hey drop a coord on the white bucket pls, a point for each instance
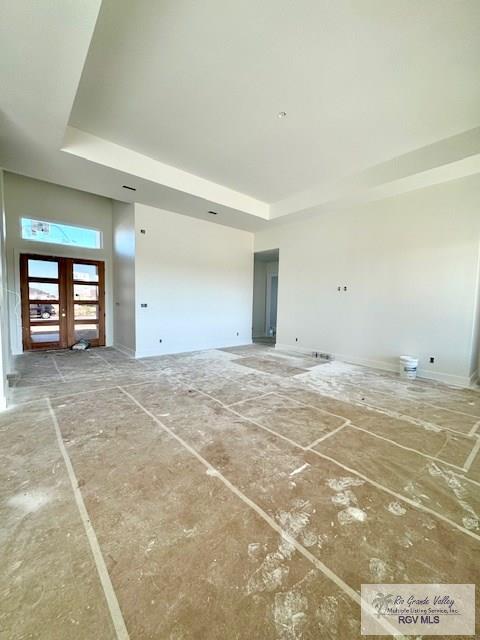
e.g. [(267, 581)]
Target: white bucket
[(408, 367)]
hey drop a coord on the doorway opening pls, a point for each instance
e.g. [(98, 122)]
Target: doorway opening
[(265, 296), (63, 301)]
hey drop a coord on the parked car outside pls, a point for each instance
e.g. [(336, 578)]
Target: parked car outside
[(44, 311)]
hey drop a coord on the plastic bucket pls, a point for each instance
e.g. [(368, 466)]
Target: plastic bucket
[(408, 367)]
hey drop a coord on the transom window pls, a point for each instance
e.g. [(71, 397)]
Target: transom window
[(59, 233)]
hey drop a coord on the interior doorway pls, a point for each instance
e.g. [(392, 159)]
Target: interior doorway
[(265, 296), (63, 300)]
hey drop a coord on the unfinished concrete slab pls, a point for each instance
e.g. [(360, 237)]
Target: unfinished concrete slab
[(222, 500)]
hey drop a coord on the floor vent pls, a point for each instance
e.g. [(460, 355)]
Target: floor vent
[(322, 356)]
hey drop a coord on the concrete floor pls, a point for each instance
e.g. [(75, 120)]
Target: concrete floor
[(226, 494)]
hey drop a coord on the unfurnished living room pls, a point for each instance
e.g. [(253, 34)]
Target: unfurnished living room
[(239, 319)]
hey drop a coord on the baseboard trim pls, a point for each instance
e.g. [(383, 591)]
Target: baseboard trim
[(446, 378), (168, 352)]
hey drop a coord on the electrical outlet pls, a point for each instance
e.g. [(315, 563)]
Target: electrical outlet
[(296, 339), (160, 340), (432, 360)]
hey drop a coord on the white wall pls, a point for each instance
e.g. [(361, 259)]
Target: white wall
[(196, 278), (475, 355), (5, 355), (411, 267), (46, 201), (124, 276)]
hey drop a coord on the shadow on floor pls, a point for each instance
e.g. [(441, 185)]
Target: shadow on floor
[(264, 340)]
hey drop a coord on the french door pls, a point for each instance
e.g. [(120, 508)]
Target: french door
[(63, 300)]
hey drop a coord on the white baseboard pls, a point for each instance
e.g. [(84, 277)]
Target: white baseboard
[(173, 351), (438, 376), (125, 350), (446, 378)]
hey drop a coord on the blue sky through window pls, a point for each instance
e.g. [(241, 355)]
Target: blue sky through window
[(58, 233)]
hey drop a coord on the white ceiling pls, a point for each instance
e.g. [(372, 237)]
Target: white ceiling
[(180, 99), (198, 85)]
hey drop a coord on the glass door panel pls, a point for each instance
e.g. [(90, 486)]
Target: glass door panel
[(46, 333), (44, 311), (43, 269), (86, 331), (86, 311), (43, 291), (85, 272), (85, 292)]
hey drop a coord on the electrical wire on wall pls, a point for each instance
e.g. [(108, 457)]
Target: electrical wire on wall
[(18, 302), (16, 311)]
